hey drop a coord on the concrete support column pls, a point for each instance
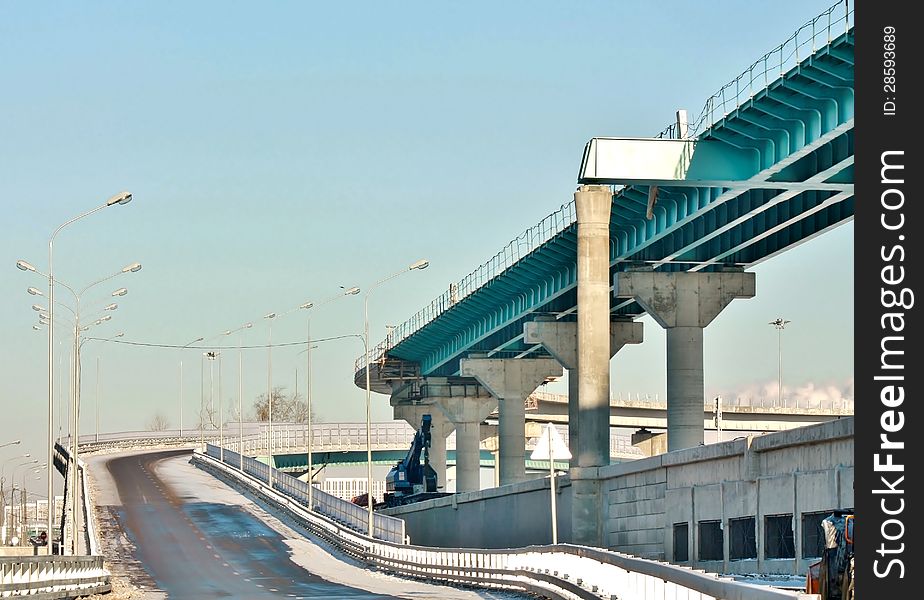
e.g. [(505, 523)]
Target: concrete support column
[(466, 415), (685, 387), (511, 381), (560, 339), (593, 204), (440, 428), (684, 304)]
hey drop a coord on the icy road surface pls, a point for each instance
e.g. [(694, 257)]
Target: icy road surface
[(171, 530)]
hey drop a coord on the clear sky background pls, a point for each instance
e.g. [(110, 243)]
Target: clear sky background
[(279, 150)]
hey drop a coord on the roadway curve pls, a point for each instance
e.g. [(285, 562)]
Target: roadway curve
[(169, 528)]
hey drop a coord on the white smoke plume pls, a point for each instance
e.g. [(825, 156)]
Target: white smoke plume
[(829, 395)]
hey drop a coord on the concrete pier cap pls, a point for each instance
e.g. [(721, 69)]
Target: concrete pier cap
[(511, 381), (560, 339), (684, 304)]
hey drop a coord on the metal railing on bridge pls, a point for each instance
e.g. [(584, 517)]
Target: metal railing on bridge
[(326, 437), (351, 515), (557, 572)]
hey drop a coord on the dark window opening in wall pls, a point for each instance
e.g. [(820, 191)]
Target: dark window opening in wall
[(681, 542), (813, 537), (779, 542), (742, 540), (710, 540)]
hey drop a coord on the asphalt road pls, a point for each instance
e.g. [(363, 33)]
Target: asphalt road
[(198, 549)]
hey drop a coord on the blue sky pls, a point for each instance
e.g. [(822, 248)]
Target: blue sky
[(278, 151)]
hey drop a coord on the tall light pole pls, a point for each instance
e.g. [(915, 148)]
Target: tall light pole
[(25, 266), (310, 433), (240, 386), (780, 324), (118, 199), (269, 395), (419, 265), (269, 380), (13, 443), (184, 346), (75, 416)]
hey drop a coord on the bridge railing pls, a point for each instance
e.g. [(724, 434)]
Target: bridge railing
[(52, 576), (326, 437), (557, 572), (514, 251), (342, 511), (816, 33)]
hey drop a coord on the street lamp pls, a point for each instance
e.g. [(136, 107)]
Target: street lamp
[(117, 199), (25, 266), (212, 355), (13, 443), (187, 345), (308, 439), (780, 325), (240, 388), (269, 380), (418, 266)]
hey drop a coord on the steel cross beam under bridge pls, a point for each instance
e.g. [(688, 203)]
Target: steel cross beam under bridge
[(767, 165)]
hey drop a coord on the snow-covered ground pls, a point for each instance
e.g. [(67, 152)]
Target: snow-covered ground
[(308, 552)]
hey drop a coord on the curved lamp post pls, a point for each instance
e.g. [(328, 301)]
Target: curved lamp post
[(417, 266), (310, 433), (186, 345), (117, 199), (25, 266), (269, 378)]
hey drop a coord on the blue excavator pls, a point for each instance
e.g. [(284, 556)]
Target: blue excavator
[(412, 479)]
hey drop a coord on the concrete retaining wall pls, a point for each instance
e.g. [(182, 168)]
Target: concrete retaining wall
[(781, 475)]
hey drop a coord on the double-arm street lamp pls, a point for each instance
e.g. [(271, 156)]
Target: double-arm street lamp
[(50, 320), (419, 265), (115, 200)]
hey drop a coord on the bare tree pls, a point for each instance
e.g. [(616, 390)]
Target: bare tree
[(158, 422), (289, 409)]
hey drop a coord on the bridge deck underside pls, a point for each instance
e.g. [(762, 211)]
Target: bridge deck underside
[(800, 130)]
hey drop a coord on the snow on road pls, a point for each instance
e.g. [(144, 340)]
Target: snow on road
[(314, 555)]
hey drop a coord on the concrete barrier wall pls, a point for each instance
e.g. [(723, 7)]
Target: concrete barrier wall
[(513, 516), (781, 476)]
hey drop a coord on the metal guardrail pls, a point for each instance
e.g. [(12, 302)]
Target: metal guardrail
[(342, 511), (556, 572), (59, 576), (835, 405), (774, 64), (52, 576), (326, 437), (515, 250), (833, 21)]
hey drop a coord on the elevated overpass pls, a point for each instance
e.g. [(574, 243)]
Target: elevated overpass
[(668, 226)]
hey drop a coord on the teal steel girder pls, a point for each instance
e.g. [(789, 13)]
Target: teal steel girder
[(792, 125)]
